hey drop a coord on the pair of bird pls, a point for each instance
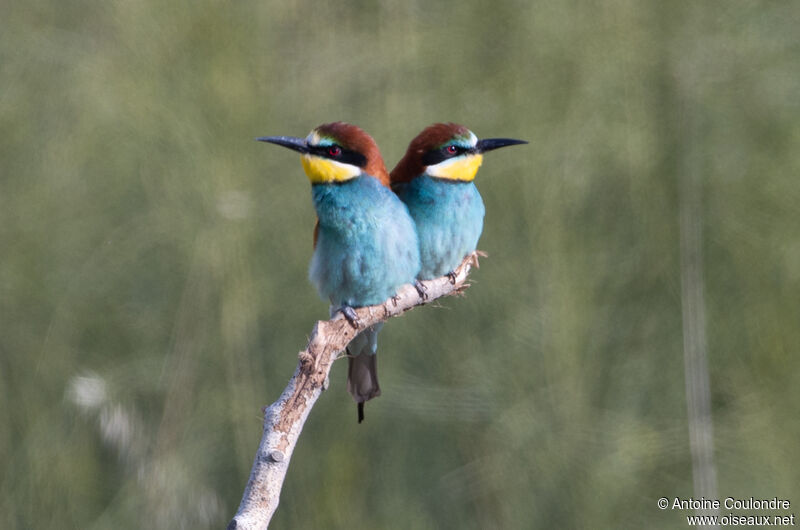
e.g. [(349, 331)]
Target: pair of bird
[(378, 230)]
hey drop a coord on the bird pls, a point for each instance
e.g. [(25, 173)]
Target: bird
[(365, 242), (435, 179)]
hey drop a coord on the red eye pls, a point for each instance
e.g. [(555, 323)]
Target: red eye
[(451, 149), (334, 150)]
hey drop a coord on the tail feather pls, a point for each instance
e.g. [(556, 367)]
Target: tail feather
[(362, 368)]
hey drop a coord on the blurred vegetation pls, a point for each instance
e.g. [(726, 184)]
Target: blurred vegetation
[(153, 290)]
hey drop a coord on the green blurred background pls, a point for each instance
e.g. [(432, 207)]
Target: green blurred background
[(153, 290)]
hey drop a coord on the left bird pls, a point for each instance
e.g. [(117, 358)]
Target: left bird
[(365, 242)]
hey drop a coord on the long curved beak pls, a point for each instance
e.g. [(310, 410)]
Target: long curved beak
[(489, 144), (291, 142)]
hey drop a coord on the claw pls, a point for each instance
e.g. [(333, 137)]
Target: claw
[(452, 275), (350, 315), (421, 289)]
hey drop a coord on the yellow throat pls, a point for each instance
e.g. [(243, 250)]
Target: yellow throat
[(323, 170), (461, 168)]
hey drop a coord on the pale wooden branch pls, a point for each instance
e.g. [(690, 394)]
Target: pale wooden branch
[(284, 419)]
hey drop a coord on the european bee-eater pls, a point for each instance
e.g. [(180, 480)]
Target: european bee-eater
[(365, 243), (435, 180)]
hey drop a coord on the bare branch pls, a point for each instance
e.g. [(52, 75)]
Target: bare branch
[(284, 419)]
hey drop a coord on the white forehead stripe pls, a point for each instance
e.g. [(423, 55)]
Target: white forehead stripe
[(473, 140), (313, 138)]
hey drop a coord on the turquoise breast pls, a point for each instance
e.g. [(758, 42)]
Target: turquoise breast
[(449, 220), (367, 244)]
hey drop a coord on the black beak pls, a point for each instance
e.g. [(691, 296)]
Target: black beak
[(293, 143), (490, 144)]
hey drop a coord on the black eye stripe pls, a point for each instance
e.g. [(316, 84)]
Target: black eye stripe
[(346, 156), (434, 156)]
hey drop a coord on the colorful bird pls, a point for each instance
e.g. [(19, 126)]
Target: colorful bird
[(365, 243), (435, 180)]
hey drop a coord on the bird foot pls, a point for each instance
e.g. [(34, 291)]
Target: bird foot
[(452, 276), (350, 315), (418, 285)]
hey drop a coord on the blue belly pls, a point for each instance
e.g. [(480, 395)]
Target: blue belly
[(367, 245), (449, 220)]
